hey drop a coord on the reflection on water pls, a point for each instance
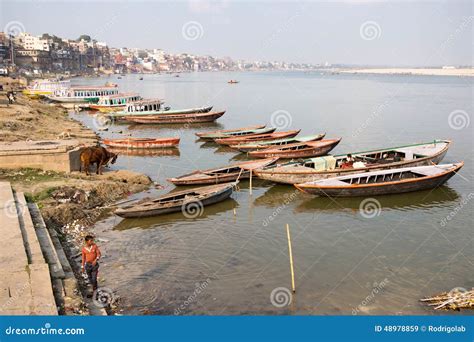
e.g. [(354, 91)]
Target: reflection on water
[(429, 199), (156, 152), (340, 256), (169, 219)]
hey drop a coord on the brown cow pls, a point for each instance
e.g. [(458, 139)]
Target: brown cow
[(96, 155)]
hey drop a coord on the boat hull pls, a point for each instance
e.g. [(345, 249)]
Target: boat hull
[(162, 112), (178, 118), (261, 145), (295, 177), (310, 151), (218, 197), (388, 188), (221, 133), (206, 176), (257, 137)]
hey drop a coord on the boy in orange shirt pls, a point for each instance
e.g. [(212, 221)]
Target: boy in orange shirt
[(90, 256)]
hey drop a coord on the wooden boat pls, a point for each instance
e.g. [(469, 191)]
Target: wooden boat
[(262, 144), (257, 137), (188, 201), (176, 118), (223, 132), (233, 82), (141, 143), (222, 174), (298, 150), (332, 166), (155, 107), (384, 182), (114, 103), (82, 94)]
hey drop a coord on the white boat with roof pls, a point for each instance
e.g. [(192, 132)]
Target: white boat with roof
[(114, 103), (83, 94)]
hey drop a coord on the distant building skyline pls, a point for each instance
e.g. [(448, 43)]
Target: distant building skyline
[(351, 32)]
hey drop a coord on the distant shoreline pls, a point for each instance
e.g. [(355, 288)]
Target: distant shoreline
[(461, 72)]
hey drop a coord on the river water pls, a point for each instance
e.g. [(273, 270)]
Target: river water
[(345, 262)]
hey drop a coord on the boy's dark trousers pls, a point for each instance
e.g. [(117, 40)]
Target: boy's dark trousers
[(92, 271)]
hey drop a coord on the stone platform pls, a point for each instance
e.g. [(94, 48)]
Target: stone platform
[(52, 155)]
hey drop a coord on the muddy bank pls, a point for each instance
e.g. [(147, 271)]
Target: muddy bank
[(29, 119), (72, 203)]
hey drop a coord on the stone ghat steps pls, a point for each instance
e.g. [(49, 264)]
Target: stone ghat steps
[(25, 282), (36, 277)]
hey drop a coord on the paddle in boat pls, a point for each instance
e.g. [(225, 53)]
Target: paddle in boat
[(191, 118), (186, 201), (257, 137), (223, 132), (298, 150), (313, 169), (384, 182), (222, 174), (82, 94), (262, 144), (114, 103), (154, 107), (141, 143)]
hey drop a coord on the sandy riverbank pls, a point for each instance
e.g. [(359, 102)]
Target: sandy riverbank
[(464, 72)]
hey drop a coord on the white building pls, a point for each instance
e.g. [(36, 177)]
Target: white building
[(29, 42)]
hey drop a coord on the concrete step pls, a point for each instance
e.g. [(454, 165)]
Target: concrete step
[(15, 292), (41, 290), (13, 250), (30, 239), (48, 247)]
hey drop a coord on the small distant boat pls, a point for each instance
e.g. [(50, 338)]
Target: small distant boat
[(262, 144), (186, 201), (222, 174), (177, 75), (298, 150), (190, 118), (257, 137), (226, 132), (119, 78), (141, 78), (233, 82), (141, 143), (313, 169), (385, 182)]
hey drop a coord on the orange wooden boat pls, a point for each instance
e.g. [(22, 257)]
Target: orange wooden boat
[(257, 137), (298, 150), (141, 143)]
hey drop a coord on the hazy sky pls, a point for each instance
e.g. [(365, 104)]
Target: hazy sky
[(366, 32)]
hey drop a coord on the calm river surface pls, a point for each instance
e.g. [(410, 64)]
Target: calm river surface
[(345, 263)]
